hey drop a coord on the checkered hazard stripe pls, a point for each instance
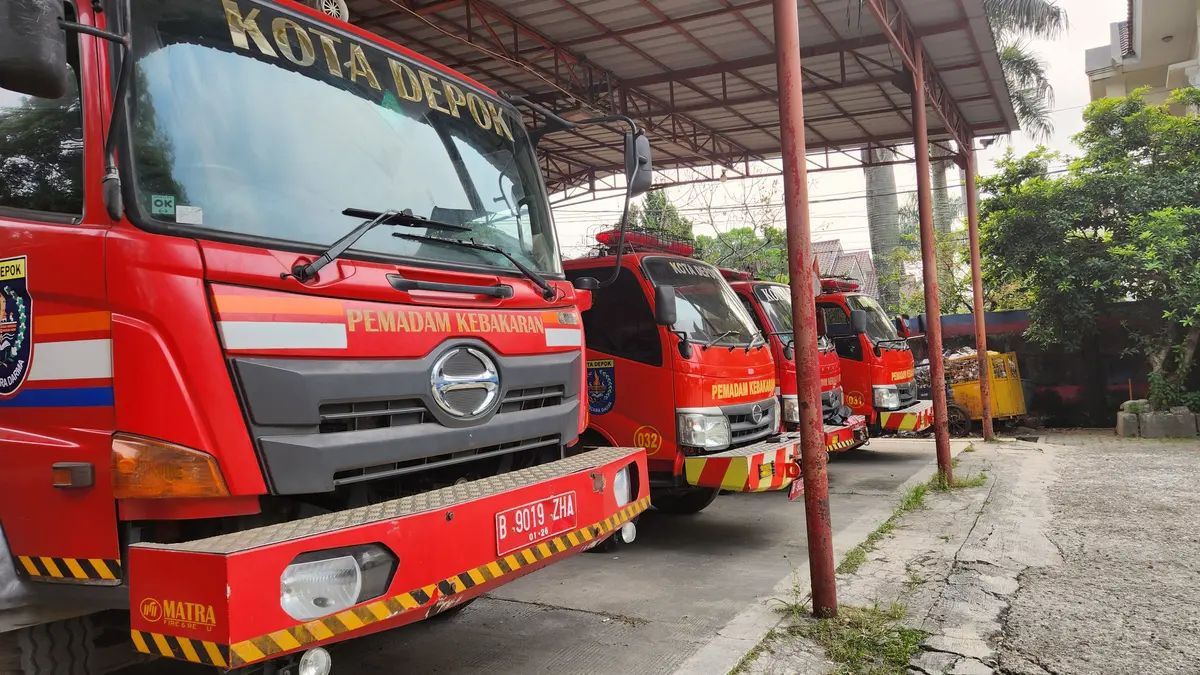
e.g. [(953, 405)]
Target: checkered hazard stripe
[(351, 620), (75, 570)]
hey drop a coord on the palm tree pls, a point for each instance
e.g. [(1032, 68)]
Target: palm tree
[(1014, 23), (883, 221)]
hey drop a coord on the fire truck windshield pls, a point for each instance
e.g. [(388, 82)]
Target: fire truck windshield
[(707, 309), (256, 124), (776, 301), (879, 328)]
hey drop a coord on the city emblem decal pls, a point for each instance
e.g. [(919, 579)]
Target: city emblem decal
[(601, 386), (16, 315)]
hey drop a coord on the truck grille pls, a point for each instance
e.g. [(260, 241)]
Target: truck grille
[(379, 414), (321, 422), (908, 392), (743, 429)]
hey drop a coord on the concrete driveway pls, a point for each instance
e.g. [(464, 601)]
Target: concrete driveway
[(692, 594)]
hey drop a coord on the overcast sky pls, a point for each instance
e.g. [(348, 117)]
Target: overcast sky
[(846, 218)]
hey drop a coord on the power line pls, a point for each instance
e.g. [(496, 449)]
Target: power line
[(744, 207)]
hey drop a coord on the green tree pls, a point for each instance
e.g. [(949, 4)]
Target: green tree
[(762, 254), (658, 213), (1120, 224)]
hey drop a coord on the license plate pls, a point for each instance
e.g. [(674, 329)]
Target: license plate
[(796, 491), (531, 523)]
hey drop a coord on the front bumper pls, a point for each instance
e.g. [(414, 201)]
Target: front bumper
[(846, 436), (916, 417), (216, 601), (770, 464)]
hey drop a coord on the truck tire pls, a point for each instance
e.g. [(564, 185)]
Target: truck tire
[(684, 501), (57, 647), (959, 420)]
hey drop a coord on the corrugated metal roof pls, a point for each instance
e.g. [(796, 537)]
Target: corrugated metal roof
[(700, 74)]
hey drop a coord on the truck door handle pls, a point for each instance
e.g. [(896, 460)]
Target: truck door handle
[(401, 284)]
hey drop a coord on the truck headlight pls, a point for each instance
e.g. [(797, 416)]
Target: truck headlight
[(791, 409), (623, 487), (320, 583), (887, 397), (699, 430)]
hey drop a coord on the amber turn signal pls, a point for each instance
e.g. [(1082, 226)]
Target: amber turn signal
[(146, 468)]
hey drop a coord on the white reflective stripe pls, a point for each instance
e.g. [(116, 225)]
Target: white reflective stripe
[(282, 335), (72, 360), (564, 337)]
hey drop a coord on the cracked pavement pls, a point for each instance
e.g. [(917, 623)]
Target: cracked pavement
[(1079, 555)]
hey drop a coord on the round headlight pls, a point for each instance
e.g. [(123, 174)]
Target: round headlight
[(622, 487)]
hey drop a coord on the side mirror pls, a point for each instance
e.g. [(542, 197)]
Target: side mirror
[(33, 48), (639, 168), (586, 283), (664, 305), (789, 350), (858, 321)]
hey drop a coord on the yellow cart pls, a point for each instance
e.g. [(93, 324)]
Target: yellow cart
[(1008, 398)]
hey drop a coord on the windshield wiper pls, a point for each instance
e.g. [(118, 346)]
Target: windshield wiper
[(720, 337), (548, 292), (374, 220)]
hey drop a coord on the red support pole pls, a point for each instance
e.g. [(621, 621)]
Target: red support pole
[(804, 309), (985, 366), (933, 306)]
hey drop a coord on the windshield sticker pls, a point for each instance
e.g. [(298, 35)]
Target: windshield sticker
[(724, 390), (162, 205), (774, 294), (348, 60), (16, 313), (602, 386), (693, 269), (189, 215)]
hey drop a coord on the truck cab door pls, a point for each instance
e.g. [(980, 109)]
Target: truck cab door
[(629, 383), (56, 381)]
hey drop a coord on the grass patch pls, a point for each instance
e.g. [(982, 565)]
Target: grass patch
[(865, 640), (796, 605), (970, 447), (940, 483), (855, 557), (751, 656)]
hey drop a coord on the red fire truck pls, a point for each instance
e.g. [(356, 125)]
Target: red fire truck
[(877, 364), (770, 305), (676, 366), (254, 441)]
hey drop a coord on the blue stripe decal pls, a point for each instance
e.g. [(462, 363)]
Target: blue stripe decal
[(61, 398)]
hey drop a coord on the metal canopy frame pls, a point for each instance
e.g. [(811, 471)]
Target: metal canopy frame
[(700, 75), (726, 86)]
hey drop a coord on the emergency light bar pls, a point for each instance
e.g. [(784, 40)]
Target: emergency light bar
[(839, 285), (642, 242)]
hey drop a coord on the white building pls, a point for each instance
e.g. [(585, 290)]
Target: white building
[(1155, 46)]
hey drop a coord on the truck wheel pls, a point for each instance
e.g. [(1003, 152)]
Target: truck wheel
[(335, 8), (57, 647), (959, 420), (684, 501)]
